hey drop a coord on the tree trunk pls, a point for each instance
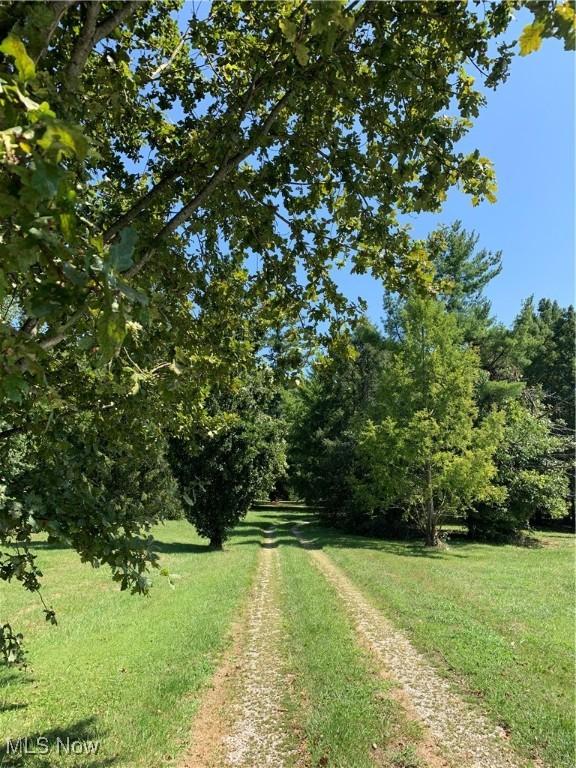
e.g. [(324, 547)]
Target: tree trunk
[(216, 541), (431, 533)]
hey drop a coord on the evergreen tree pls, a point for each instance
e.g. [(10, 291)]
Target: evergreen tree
[(323, 414), (548, 337), (461, 272)]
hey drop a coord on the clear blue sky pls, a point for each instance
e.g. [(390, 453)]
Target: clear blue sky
[(527, 130)]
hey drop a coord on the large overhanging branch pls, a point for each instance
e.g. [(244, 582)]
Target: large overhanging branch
[(83, 45), (176, 169), (213, 182), (51, 341), (58, 9), (89, 37), (115, 19)]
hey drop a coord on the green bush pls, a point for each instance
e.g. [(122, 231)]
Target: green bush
[(533, 465)]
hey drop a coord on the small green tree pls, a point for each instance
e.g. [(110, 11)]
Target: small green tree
[(461, 273), (533, 472), (424, 450), (236, 457)]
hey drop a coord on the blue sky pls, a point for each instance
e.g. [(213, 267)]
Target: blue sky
[(527, 130)]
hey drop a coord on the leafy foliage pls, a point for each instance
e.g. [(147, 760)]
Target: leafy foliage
[(175, 188), (325, 413), (423, 449), (224, 468), (544, 343), (361, 437), (533, 470), (104, 481), (292, 101), (461, 272), (561, 22)]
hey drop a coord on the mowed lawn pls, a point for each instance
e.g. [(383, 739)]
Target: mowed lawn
[(345, 712), (126, 670), (498, 620), (129, 671)]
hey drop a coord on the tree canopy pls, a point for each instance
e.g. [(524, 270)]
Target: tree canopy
[(138, 155), (423, 449), (235, 458)]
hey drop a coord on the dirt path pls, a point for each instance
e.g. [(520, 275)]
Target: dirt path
[(461, 733), (240, 722)]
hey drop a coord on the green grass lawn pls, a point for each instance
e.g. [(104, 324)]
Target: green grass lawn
[(344, 711), (128, 671), (119, 668), (499, 620)]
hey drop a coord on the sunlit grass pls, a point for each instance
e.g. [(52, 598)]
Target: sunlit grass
[(498, 620), (122, 669), (129, 671), (344, 710)]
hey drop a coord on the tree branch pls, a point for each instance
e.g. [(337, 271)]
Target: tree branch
[(59, 9), (142, 204), (218, 177), (214, 181), (176, 169), (83, 46), (30, 326), (92, 34), (114, 20), (168, 63), (11, 431), (48, 342)]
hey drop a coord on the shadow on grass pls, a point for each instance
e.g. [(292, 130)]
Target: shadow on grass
[(401, 547), (47, 748), (272, 544), (405, 549), (316, 536), (180, 547), (313, 535), (246, 528), (47, 545), (18, 676)]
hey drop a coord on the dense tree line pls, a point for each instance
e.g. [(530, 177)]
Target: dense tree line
[(444, 413)]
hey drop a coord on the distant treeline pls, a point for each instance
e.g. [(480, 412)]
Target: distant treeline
[(443, 413)]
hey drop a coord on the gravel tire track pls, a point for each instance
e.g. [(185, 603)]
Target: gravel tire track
[(240, 723), (258, 735), (460, 731)]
